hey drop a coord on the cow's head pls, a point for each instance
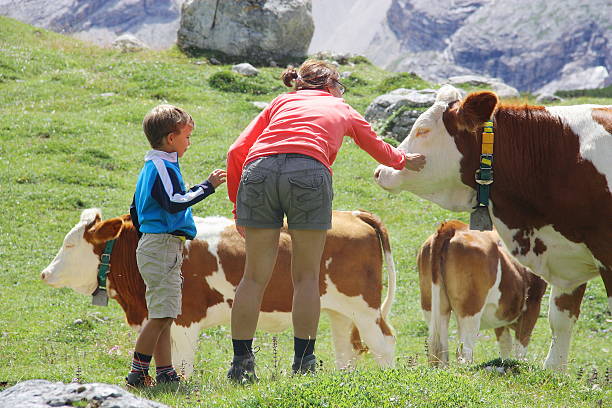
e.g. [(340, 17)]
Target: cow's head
[(434, 135), (76, 263)]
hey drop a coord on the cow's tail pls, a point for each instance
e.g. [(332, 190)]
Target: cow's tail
[(438, 328), (383, 235)]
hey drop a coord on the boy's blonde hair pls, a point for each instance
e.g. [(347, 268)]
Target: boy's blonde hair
[(163, 120)]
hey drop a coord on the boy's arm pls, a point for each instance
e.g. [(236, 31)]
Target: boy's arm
[(134, 215), (170, 196)]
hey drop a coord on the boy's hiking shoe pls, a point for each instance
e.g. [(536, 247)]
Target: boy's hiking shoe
[(243, 369), (138, 379), (168, 378), (306, 365)]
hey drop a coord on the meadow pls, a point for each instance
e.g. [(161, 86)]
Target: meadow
[(71, 139)]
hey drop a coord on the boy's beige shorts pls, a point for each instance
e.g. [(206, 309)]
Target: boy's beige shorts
[(159, 258)]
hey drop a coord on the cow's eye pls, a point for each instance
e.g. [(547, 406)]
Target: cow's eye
[(68, 246), (422, 132)]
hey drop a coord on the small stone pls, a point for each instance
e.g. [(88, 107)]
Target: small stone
[(245, 69)]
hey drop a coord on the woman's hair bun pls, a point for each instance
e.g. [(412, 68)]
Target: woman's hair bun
[(288, 76)]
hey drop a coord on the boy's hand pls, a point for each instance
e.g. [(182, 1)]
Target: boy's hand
[(217, 177)]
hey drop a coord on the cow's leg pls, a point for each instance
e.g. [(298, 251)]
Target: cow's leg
[(563, 312), (468, 331), (341, 327), (378, 336), (504, 341), (184, 345)]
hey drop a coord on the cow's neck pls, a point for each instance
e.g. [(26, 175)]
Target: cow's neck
[(538, 179), (124, 278)]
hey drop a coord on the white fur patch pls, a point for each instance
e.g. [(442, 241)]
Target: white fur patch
[(595, 141)]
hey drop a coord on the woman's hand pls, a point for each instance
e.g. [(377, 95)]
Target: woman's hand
[(415, 161), (217, 177)]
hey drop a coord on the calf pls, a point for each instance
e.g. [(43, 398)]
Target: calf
[(350, 280), (469, 273)]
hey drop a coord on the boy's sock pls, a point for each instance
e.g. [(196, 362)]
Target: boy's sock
[(169, 369), (303, 347), (140, 363), (242, 347)]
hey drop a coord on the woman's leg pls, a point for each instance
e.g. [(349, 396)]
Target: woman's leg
[(307, 249), (261, 251)]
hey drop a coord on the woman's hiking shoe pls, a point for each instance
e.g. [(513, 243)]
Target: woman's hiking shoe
[(168, 378), (305, 365), (243, 369), (138, 379)]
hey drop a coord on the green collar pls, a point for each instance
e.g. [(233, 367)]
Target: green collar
[(480, 218), (104, 266)]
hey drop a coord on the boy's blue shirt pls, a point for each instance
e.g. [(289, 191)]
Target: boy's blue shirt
[(161, 204)]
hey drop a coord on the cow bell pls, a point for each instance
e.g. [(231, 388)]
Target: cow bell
[(480, 219), (99, 297)]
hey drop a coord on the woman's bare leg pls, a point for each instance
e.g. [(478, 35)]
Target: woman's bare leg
[(307, 249), (261, 251)]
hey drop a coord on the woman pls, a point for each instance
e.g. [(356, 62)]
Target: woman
[(281, 165)]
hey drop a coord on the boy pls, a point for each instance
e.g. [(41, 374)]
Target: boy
[(160, 211)]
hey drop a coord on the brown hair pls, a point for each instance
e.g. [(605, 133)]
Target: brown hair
[(163, 120), (312, 74)]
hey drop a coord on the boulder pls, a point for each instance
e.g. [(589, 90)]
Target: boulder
[(258, 30), (547, 98), (128, 43), (44, 394), (393, 114), (245, 69), (494, 84)]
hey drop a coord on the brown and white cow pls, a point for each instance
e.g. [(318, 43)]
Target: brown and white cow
[(350, 280), (551, 200), (470, 274)]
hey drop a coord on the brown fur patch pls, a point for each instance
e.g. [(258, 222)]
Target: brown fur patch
[(603, 116), (571, 302)]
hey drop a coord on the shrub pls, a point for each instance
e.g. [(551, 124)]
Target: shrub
[(402, 80), (592, 93)]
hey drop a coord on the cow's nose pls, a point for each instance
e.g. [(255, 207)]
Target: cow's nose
[(377, 173), (43, 275)]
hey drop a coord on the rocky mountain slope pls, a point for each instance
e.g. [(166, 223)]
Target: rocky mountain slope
[(155, 22), (539, 46)]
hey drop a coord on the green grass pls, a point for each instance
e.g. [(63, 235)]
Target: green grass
[(71, 138)]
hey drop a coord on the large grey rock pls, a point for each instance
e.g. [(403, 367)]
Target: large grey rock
[(44, 394), (260, 30), (101, 21), (547, 98), (494, 84), (393, 114)]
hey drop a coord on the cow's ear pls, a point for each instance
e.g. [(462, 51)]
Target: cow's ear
[(106, 230), (475, 109)]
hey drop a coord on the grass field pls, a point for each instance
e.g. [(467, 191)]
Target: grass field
[(70, 139)]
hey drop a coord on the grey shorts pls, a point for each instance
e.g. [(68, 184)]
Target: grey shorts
[(291, 184), (159, 258)]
